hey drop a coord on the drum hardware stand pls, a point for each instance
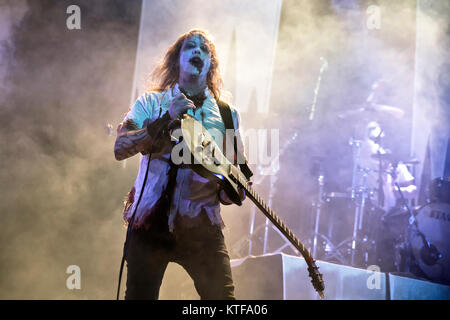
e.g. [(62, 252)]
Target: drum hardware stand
[(250, 237), (361, 190), (428, 253), (318, 209), (380, 182), (266, 227), (356, 146), (331, 250), (358, 189), (360, 205), (271, 193)]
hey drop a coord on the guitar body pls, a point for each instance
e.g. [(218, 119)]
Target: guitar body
[(208, 161), (207, 158)]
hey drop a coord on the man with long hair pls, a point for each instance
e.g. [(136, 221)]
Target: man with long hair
[(173, 214)]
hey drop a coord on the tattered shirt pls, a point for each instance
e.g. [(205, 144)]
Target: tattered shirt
[(192, 194)]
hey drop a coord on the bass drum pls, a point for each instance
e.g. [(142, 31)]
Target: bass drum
[(434, 222)]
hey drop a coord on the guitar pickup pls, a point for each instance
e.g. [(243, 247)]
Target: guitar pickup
[(206, 143)]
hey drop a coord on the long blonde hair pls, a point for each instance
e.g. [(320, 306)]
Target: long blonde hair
[(167, 73)]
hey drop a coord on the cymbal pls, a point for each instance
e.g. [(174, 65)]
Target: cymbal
[(383, 156), (346, 195), (374, 108), (352, 113), (412, 161), (390, 110), (388, 156)]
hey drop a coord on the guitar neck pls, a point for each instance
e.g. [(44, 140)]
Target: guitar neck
[(315, 275), (204, 149), (272, 216)]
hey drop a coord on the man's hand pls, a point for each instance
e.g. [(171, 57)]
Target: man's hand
[(224, 197), (179, 105)]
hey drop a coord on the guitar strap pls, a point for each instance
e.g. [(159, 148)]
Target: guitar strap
[(225, 113)]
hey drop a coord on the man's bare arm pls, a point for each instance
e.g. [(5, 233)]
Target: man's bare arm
[(153, 137), (130, 141)]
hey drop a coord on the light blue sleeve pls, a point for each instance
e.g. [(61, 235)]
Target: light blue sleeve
[(142, 110)]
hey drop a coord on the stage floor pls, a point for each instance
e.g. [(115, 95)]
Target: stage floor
[(285, 277)]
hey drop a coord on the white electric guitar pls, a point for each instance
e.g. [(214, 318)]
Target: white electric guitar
[(208, 161)]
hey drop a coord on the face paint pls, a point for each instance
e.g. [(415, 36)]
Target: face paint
[(195, 56)]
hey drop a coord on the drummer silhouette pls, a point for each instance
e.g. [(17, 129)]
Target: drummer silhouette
[(386, 172), (392, 184)]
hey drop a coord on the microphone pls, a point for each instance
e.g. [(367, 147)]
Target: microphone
[(430, 254)]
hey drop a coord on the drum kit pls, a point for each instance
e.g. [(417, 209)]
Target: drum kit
[(356, 228)]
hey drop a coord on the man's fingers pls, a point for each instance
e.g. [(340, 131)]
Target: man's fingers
[(188, 105), (181, 96)]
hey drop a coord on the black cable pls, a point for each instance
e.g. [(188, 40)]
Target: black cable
[(130, 224), (429, 252)]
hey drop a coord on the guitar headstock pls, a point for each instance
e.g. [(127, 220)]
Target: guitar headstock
[(316, 278)]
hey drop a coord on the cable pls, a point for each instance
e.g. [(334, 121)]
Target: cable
[(130, 224)]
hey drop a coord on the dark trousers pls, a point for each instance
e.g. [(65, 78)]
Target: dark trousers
[(200, 250)]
